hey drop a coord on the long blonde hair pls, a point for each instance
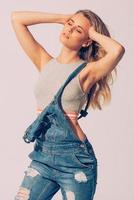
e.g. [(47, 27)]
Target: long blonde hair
[(101, 89)]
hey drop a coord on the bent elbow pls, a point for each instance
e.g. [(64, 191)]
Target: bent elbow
[(121, 50), (14, 15)]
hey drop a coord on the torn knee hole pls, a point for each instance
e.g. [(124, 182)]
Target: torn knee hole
[(80, 176), (22, 194), (31, 172)]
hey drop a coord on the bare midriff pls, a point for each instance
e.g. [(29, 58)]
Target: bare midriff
[(72, 117)]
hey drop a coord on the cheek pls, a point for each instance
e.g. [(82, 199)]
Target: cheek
[(77, 37)]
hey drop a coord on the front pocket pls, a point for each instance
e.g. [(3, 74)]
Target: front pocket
[(83, 160)]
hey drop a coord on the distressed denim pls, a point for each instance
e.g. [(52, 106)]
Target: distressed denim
[(60, 160)]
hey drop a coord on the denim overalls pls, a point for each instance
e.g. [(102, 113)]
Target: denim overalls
[(60, 160)]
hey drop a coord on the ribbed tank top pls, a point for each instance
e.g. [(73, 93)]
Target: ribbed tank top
[(50, 79)]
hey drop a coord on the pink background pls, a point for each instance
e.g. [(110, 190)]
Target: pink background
[(110, 131)]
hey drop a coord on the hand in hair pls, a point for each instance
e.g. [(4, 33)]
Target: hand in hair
[(91, 32), (65, 18)]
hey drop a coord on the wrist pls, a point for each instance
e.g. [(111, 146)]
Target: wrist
[(94, 35), (65, 18)]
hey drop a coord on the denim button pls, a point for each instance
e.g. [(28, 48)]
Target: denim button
[(82, 145)]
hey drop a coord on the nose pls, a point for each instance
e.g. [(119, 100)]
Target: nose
[(71, 29)]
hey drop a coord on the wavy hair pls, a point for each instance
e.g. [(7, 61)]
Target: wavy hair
[(100, 91)]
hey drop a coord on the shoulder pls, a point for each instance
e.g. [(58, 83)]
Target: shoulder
[(45, 61)]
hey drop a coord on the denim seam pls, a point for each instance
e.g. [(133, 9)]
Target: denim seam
[(44, 190)]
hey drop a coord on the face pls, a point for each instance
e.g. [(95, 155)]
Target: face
[(75, 32)]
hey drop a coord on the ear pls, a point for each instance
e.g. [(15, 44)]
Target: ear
[(87, 43)]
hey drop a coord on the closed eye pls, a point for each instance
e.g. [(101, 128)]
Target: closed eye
[(69, 23), (78, 31)]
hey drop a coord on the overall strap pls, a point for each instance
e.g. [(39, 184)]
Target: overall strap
[(83, 113), (71, 76)]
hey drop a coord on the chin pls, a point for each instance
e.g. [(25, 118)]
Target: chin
[(66, 42)]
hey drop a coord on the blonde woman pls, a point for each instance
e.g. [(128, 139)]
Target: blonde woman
[(63, 158)]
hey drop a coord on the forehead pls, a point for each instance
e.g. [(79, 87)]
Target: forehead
[(81, 20)]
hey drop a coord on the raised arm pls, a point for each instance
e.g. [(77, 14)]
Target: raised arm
[(21, 20), (114, 52)]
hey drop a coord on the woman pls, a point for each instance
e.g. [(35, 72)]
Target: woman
[(63, 160)]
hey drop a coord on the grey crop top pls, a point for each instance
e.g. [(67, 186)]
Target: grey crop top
[(50, 79)]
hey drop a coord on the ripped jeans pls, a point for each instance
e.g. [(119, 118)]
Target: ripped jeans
[(71, 167)]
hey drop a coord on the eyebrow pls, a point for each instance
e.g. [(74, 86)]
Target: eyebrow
[(78, 25)]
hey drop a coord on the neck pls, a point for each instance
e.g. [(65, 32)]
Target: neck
[(67, 56)]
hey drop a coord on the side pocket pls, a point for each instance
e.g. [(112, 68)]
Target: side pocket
[(83, 160), (90, 151)]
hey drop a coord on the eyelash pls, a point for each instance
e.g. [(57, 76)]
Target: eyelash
[(77, 30)]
